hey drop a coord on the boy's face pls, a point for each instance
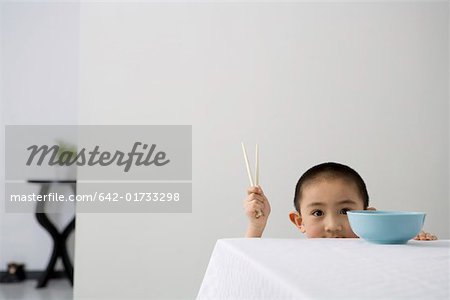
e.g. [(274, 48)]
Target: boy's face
[(324, 205)]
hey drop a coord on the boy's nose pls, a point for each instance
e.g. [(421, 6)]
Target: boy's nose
[(333, 226)]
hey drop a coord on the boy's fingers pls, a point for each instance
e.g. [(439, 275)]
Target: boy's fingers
[(425, 236), (255, 189), (255, 196), (260, 190), (256, 202), (252, 189), (430, 236), (254, 206)]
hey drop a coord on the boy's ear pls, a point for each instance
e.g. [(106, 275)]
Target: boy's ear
[(296, 219), (371, 208)]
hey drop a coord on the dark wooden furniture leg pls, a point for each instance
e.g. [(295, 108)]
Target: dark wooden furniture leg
[(59, 240)]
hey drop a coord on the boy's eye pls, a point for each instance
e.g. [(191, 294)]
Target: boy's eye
[(344, 211), (317, 213)]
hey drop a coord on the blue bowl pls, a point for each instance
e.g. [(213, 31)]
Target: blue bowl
[(386, 227)]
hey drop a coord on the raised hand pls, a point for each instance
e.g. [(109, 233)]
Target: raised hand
[(257, 209)]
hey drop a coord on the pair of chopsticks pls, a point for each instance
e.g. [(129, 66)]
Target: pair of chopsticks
[(259, 213)]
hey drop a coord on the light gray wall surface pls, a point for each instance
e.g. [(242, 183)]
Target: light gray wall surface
[(365, 84)]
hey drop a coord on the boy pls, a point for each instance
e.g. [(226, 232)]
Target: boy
[(323, 195)]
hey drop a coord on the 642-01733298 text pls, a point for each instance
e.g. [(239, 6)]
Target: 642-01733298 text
[(101, 197)]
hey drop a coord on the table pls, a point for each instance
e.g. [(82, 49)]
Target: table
[(59, 238), (326, 269)]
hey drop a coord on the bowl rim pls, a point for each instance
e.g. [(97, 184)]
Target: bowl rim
[(384, 212)]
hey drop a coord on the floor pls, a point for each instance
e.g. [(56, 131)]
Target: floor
[(57, 289)]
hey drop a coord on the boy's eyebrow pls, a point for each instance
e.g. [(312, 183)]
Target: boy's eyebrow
[(346, 201)]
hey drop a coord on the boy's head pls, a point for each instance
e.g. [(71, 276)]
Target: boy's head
[(323, 195)]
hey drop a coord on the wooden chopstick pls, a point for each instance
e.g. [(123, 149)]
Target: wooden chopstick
[(247, 164), (257, 166)]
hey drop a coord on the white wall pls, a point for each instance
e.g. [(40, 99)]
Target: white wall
[(364, 84), (39, 69)]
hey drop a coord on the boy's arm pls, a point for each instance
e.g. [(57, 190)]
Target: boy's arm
[(253, 232), (257, 209)]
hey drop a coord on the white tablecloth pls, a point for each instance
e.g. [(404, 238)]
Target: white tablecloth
[(326, 269)]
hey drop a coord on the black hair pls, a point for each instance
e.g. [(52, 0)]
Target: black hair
[(331, 169)]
